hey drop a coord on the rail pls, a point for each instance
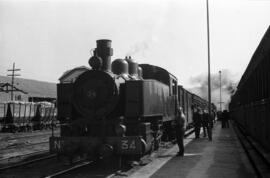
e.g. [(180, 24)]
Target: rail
[(65, 171), (28, 136), (24, 163), (23, 146), (83, 164)]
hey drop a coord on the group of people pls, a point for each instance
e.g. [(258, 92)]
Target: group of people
[(201, 118)]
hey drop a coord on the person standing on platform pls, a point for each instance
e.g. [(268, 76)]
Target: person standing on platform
[(180, 130), (214, 116), (212, 119), (204, 122), (226, 118), (206, 125), (197, 121), (222, 119)]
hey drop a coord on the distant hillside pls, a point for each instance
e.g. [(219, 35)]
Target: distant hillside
[(33, 87)]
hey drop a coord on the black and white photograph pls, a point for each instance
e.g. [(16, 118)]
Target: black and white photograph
[(134, 88)]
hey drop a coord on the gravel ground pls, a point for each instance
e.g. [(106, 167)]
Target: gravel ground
[(17, 144)]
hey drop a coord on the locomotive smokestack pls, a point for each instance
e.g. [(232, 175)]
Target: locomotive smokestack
[(104, 51)]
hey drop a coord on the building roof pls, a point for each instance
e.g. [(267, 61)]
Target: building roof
[(7, 87)]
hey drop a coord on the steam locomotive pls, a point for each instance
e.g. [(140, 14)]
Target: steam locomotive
[(121, 108)]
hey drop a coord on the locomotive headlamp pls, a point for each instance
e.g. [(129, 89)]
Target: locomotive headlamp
[(95, 62), (120, 129)]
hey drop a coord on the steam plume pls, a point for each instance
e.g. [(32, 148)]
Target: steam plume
[(228, 86), (138, 48)]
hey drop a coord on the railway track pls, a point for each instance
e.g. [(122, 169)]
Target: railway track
[(32, 135), (24, 145), (27, 162), (19, 146), (24, 142), (23, 155), (50, 167), (256, 157), (85, 164), (16, 153), (78, 168), (66, 171)]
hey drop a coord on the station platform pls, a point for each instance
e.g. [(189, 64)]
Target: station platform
[(223, 157)]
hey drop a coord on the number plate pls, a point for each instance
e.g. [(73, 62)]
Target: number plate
[(130, 145)]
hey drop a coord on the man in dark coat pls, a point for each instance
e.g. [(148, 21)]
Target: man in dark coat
[(197, 121), (212, 119), (225, 117), (222, 119), (180, 130), (206, 125)]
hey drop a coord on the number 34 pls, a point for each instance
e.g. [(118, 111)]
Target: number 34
[(125, 144)]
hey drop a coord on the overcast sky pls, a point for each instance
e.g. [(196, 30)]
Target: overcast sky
[(46, 38)]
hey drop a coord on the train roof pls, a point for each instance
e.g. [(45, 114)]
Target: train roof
[(156, 72)]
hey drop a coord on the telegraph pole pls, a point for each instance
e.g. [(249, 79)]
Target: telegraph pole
[(208, 52), (12, 75)]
